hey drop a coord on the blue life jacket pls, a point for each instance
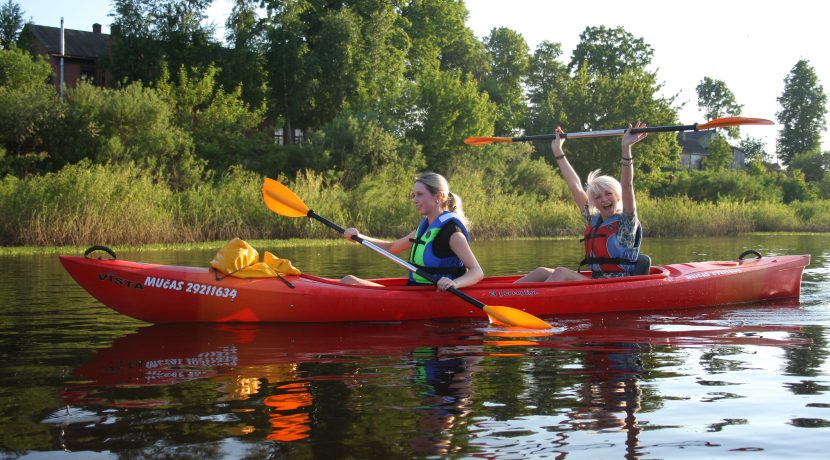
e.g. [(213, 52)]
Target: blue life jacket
[(423, 256)]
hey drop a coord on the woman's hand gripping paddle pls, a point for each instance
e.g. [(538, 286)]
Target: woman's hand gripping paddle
[(281, 200)]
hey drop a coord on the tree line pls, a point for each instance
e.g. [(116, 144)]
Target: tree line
[(358, 86)]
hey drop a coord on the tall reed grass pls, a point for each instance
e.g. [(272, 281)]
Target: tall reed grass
[(86, 204)]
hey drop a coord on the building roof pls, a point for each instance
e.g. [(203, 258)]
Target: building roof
[(77, 43)]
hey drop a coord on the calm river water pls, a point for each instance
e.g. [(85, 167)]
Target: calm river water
[(78, 380)]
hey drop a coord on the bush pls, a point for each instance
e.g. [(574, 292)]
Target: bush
[(726, 184), (85, 204)]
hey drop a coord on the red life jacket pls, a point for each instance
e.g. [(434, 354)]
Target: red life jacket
[(603, 252)]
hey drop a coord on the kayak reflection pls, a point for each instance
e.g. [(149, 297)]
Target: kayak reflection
[(432, 386)]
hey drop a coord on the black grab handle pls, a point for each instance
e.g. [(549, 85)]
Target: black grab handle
[(92, 249), (749, 252)]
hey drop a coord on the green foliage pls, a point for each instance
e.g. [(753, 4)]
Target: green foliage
[(446, 111), (133, 124), (754, 149), (357, 148), (11, 22), (713, 186), (224, 128), (230, 207), (680, 216), (509, 62), (382, 91), (20, 70), (596, 102), (380, 58), (823, 187), (610, 52), (720, 154), (795, 187), (434, 27), (28, 110), (716, 100), (813, 164), (803, 113), (149, 36), (83, 204), (547, 83), (536, 177)]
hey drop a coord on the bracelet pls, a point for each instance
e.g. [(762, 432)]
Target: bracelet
[(558, 157), (626, 162)]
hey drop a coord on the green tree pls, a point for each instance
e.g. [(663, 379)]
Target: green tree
[(380, 57), (611, 88), (610, 51), (813, 164), (148, 35), (509, 62), (716, 100), (802, 115), (547, 84), (720, 154), (292, 85), (220, 122), (597, 102), (130, 125), (11, 23), (466, 55), (446, 109), (435, 26), (355, 148), (244, 62), (28, 108), (754, 149)]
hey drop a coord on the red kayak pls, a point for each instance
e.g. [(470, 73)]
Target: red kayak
[(178, 294)]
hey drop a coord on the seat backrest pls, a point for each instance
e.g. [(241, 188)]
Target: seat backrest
[(643, 266)]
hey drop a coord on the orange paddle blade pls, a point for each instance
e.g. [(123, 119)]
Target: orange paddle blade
[(512, 317), (481, 140), (281, 200), (734, 121)]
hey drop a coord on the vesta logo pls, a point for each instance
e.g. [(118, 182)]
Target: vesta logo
[(119, 281)]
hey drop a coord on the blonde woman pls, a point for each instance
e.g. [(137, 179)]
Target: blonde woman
[(612, 236), (440, 245)]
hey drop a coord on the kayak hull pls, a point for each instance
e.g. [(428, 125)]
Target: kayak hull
[(178, 294)]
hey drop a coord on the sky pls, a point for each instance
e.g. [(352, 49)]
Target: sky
[(750, 45)]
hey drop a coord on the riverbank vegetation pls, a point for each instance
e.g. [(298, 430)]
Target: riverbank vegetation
[(87, 204), (346, 102)]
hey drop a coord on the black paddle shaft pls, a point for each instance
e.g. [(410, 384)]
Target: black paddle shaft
[(313, 215), (610, 132)]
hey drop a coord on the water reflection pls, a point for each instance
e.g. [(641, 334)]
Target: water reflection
[(366, 390)]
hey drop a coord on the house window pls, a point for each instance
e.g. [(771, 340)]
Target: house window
[(88, 73), (280, 136)]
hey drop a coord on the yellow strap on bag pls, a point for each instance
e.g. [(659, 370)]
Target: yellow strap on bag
[(239, 259)]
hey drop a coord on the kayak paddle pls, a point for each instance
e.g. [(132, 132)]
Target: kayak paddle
[(716, 123), (281, 200)]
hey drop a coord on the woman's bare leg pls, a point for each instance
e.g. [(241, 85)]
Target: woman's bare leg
[(565, 274), (353, 280), (538, 275)]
